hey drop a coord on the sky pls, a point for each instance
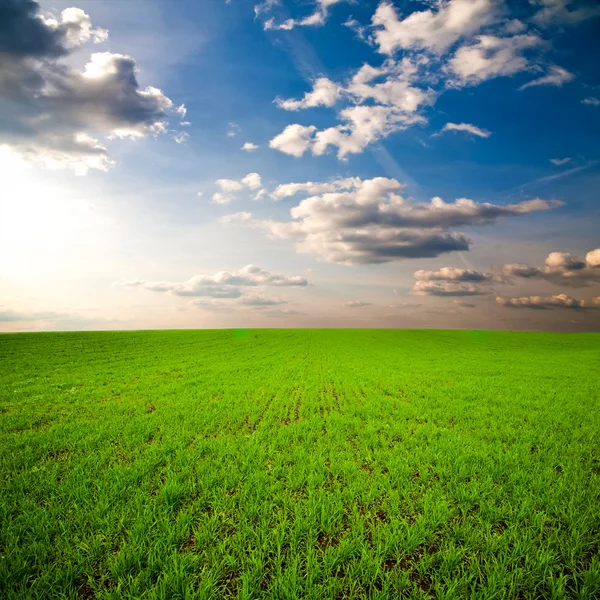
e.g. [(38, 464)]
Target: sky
[(310, 163)]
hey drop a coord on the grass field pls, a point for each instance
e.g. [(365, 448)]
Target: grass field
[(300, 464)]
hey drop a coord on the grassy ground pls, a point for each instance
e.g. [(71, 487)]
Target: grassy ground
[(300, 464)]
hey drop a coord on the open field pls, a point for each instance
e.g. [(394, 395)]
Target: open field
[(300, 464)]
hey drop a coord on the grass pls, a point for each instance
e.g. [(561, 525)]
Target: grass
[(307, 464)]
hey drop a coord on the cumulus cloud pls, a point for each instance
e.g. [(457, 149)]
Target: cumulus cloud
[(363, 126), (561, 268), (294, 140), (556, 76), (397, 105), (559, 161), (591, 101), (249, 147), (490, 56), (54, 114), (434, 30), (468, 128), (356, 304), (324, 93), (369, 222), (450, 281), (221, 285), (541, 302), (229, 187)]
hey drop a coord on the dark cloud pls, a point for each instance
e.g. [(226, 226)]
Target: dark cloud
[(453, 274), (53, 114), (446, 288), (544, 303), (23, 32)]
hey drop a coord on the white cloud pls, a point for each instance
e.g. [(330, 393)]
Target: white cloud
[(484, 133), (434, 30), (229, 187), (541, 302), (219, 198), (52, 113), (236, 217), (324, 93), (293, 140), (182, 137), (592, 258), (364, 125), (356, 304), (249, 147), (559, 161), (591, 101), (556, 76), (490, 57), (222, 284), (317, 18), (286, 190), (397, 99), (252, 181), (397, 87), (371, 223)]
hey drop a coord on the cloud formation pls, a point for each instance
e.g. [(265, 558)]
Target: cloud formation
[(452, 44), (556, 76), (382, 100), (291, 189), (54, 114), (369, 222), (591, 101), (324, 93), (249, 147), (561, 268), (450, 281), (229, 187), (490, 56), (445, 288), (543, 303), (434, 30), (468, 128), (317, 18), (221, 285)]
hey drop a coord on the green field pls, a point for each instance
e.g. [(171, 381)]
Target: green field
[(309, 464)]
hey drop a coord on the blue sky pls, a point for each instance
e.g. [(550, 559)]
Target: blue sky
[(128, 200)]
